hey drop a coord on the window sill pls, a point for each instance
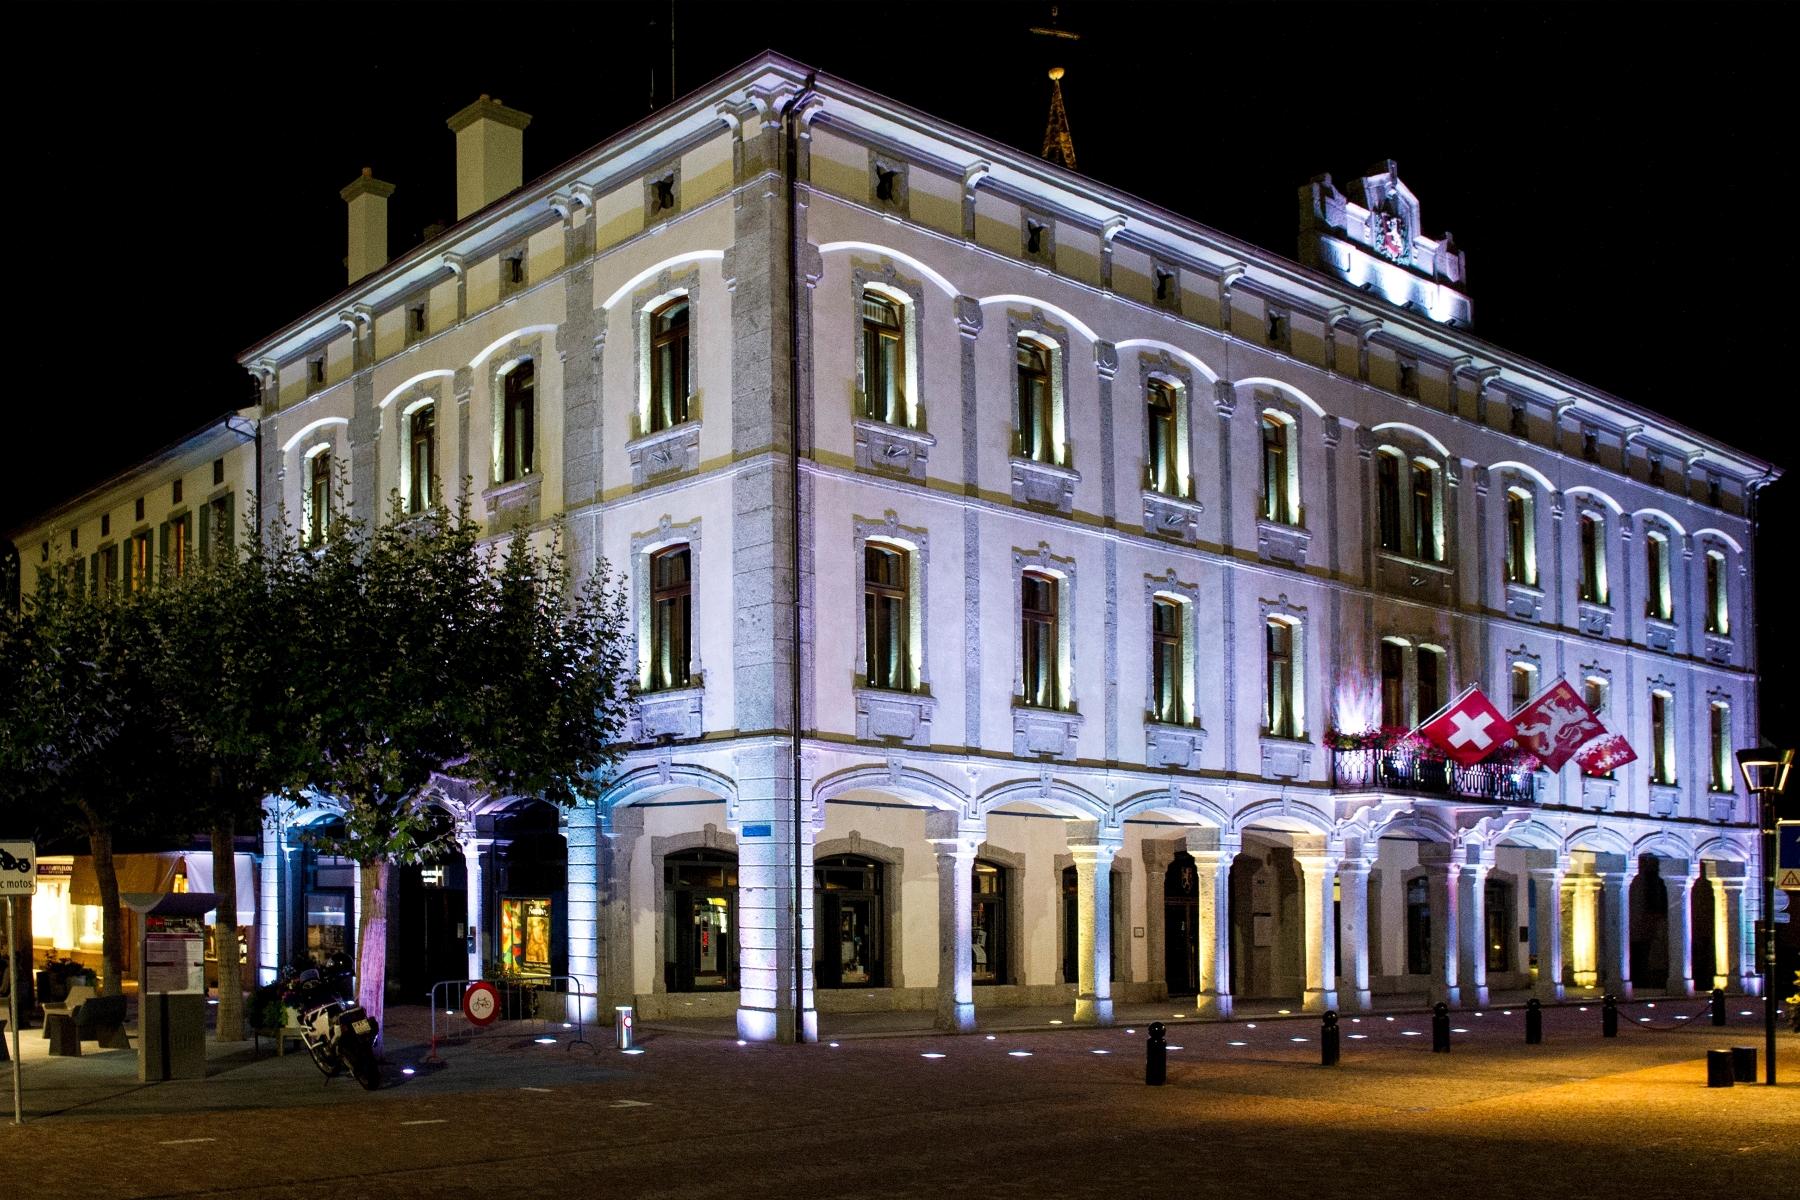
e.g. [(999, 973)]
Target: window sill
[(891, 449), (1043, 484), (1277, 542), (1718, 649), (1176, 517), (1660, 635), (893, 716), (1045, 731), (1665, 799), (666, 452), (1285, 758), (1524, 602), (1595, 618), (517, 501), (1177, 746), (673, 713), (1414, 577)]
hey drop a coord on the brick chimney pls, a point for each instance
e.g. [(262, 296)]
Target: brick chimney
[(367, 197), (490, 153)]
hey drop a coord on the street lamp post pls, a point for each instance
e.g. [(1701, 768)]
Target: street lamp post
[(1766, 774)]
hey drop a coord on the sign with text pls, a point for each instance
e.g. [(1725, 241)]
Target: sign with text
[(174, 955), (18, 869), (1787, 855)]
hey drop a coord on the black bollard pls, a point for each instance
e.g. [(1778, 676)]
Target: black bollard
[(1328, 1041), (1156, 1056), (1609, 1016), (1718, 1006), (1534, 1022), (1719, 1072), (1743, 1063), (1440, 1029)]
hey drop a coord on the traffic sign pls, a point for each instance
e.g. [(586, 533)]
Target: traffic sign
[(18, 869), (481, 1003)]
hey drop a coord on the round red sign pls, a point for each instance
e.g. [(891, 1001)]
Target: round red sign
[(481, 1003)]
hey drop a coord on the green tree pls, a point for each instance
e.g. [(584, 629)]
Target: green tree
[(427, 653)]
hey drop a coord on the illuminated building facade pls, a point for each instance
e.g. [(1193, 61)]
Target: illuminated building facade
[(1118, 542)]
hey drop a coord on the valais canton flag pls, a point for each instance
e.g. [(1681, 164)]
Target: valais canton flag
[(1608, 752), (1556, 725), (1469, 730)]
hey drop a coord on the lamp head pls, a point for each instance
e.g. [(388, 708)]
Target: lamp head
[(1765, 768)]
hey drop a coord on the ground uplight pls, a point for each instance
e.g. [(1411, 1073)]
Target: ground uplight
[(931, 1054)]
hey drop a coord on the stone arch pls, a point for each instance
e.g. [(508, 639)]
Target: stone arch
[(1598, 838), (1285, 815), (1532, 835), (1173, 351), (1660, 515), (894, 778), (1174, 802), (1283, 386), (1582, 489), (654, 779), (1060, 798), (1414, 431), (1662, 844), (893, 858)]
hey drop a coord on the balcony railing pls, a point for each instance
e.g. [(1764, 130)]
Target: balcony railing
[(1406, 770)]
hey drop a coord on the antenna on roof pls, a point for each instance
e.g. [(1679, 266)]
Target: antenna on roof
[(1059, 144)]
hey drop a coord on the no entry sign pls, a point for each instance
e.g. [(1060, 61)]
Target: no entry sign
[(481, 1003)]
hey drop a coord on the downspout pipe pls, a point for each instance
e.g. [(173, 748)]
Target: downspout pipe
[(792, 133)]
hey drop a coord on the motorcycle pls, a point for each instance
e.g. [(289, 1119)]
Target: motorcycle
[(338, 1034)]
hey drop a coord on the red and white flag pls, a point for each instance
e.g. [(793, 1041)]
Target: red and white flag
[(1470, 729), (1556, 725), (1608, 752)]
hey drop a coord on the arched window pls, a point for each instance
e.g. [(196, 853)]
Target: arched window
[(1040, 641), (987, 932), (422, 462), (887, 617), (669, 376), (1593, 559), (1037, 410), (518, 433), (671, 618), (1164, 462), (1167, 653), (318, 497), (850, 944), (1659, 600), (700, 921), (1718, 613), (1282, 718), (1521, 538), (1426, 545), (1279, 502), (884, 360), (1387, 499)]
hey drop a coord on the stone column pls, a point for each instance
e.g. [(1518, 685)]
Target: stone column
[(1680, 887), (955, 843), (1473, 910), (1740, 938), (1318, 875), (1615, 940), (773, 1006), (1548, 881), (1353, 927), (1093, 898), (473, 848), (1212, 856), (1584, 931), (1445, 934)]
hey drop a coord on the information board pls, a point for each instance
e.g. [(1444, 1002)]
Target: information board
[(174, 955), (18, 869)]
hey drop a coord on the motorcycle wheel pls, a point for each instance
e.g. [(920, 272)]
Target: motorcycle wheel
[(363, 1066)]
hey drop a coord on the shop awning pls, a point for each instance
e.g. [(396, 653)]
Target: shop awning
[(136, 872), (200, 879)]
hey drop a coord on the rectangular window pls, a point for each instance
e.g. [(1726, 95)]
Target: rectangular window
[(1037, 606), (1164, 463), (1658, 601), (177, 556), (1593, 560), (1278, 501), (105, 524), (671, 618), (1424, 515), (1722, 760), (318, 512), (669, 361), (220, 534), (175, 492), (884, 360), (1524, 684), (887, 618), (139, 565), (1521, 557), (108, 573), (1387, 499), (218, 471), (1718, 616), (1662, 739), (1166, 669), (1431, 673), (1280, 717), (1037, 414), (1594, 691), (1393, 686), (518, 432), (422, 485)]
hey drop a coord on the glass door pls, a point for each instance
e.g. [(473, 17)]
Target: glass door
[(988, 924), (848, 937)]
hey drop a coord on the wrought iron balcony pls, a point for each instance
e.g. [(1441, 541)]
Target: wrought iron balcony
[(1403, 769)]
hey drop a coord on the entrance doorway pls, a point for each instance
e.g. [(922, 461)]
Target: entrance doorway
[(1706, 959), (533, 908), (1266, 925), (849, 944), (700, 921), (1071, 879), (1649, 926), (1181, 926), (988, 925)]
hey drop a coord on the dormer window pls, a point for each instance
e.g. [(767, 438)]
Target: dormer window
[(140, 508), (1279, 328), (74, 539), (515, 269), (1520, 427), (105, 524), (1164, 281), (415, 319), (1714, 491), (1656, 471)]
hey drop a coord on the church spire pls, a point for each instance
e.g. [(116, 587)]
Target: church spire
[(1059, 146)]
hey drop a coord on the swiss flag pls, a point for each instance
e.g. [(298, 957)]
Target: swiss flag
[(1556, 725), (1470, 729)]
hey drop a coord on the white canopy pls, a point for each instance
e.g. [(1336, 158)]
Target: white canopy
[(200, 879)]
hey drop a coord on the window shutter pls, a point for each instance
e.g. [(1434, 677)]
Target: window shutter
[(205, 539), (226, 535), (94, 571), (162, 553)]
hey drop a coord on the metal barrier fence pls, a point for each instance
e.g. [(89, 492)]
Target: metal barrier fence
[(450, 1026)]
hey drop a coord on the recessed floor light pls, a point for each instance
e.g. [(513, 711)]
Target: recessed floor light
[(1018, 1054), (1131, 1031), (1296, 1039), (1102, 1052), (1390, 1018), (1056, 1022), (1174, 1047), (1180, 1015), (990, 1037), (1409, 1033), (545, 1041), (833, 1044), (1237, 1043), (742, 1042), (1680, 1018), (1745, 1013), (1506, 1012), (1284, 1012), (1643, 1018), (931, 1054), (406, 1070), (1359, 1035), (1649, 1006), (1252, 1026), (1584, 1009), (633, 1051), (1459, 1031), (1356, 1020)]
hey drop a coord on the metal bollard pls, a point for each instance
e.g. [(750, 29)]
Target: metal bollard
[(1440, 1029), (1609, 1016), (1156, 1056), (1328, 1041), (1743, 1063), (1534, 1022), (622, 1027), (1718, 1006), (1718, 1069)]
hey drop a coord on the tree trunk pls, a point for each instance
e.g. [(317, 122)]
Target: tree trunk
[(225, 932), (27, 981), (112, 981), (371, 969)]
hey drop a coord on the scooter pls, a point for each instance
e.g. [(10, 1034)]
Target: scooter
[(338, 1034)]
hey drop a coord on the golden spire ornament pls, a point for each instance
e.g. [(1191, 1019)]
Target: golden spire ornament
[(1059, 146)]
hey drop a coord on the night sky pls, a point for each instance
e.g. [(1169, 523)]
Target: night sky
[(1612, 172)]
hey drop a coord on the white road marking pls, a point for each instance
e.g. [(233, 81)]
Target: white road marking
[(631, 1104), (438, 1121), (185, 1141)]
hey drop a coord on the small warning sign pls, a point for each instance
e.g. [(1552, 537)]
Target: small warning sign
[(1788, 881)]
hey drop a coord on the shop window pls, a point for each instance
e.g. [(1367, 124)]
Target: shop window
[(1593, 559), (883, 360), (671, 618), (422, 458), (669, 365), (1659, 601), (518, 432), (1521, 538), (850, 923), (1718, 614), (887, 617), (1418, 926), (988, 924), (330, 883), (1037, 409), (700, 921)]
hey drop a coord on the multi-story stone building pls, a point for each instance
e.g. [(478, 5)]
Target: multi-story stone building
[(1010, 560)]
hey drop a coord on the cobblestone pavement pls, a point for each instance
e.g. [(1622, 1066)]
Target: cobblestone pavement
[(1032, 1113)]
